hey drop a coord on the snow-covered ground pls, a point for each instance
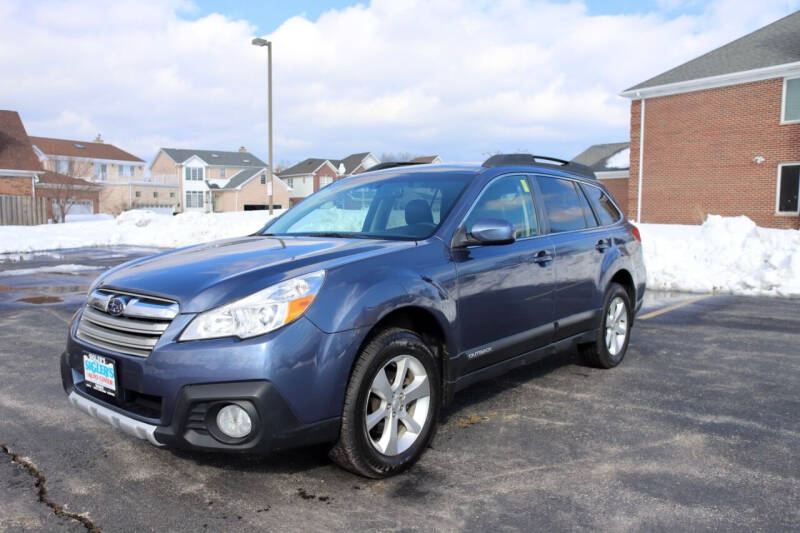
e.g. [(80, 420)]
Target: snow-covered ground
[(723, 254), (136, 228)]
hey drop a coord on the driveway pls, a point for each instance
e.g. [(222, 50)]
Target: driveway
[(697, 429)]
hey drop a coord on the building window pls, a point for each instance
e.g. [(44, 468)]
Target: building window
[(126, 170), (194, 174), (222, 173), (788, 189), (155, 194), (172, 195), (791, 100), (194, 199), (264, 178), (289, 182), (324, 181), (100, 171), (138, 194), (62, 166)]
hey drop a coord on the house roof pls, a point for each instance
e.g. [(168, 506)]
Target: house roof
[(215, 157), (425, 159), (92, 150), (307, 166), (350, 162), (775, 44), (54, 178), (597, 157), (242, 177), (16, 152)]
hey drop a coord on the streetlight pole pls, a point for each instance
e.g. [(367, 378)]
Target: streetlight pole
[(268, 44)]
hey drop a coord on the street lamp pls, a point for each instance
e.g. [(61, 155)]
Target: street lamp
[(268, 44)]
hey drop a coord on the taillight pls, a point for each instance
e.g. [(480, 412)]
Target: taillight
[(636, 234)]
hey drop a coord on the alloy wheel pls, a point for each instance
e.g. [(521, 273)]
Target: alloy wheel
[(397, 405), (616, 326)]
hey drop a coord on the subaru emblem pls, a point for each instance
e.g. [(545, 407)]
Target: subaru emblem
[(115, 306)]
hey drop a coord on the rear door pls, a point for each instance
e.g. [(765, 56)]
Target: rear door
[(580, 246), (505, 304)]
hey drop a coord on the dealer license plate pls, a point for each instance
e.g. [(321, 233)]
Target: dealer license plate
[(100, 373)]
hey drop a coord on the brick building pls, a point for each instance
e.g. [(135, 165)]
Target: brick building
[(721, 134), (610, 163)]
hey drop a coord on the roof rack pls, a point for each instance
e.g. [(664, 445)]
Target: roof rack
[(383, 166), (502, 160)]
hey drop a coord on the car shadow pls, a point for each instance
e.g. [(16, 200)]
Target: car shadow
[(313, 457)]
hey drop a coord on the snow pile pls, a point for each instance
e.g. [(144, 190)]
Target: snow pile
[(136, 228), (54, 269), (621, 159), (724, 254)]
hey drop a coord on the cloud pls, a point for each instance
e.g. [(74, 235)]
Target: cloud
[(439, 76)]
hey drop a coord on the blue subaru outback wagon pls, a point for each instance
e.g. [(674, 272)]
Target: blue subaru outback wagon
[(356, 315)]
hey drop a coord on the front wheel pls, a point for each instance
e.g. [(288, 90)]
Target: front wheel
[(390, 406), (615, 327)]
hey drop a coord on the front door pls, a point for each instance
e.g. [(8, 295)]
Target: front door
[(505, 304)]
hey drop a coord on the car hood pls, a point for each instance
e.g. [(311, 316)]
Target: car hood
[(208, 275)]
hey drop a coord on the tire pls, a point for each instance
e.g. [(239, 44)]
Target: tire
[(370, 452), (609, 349)]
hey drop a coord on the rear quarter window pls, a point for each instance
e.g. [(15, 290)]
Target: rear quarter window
[(603, 207)]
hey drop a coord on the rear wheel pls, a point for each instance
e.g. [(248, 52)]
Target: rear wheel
[(390, 406), (612, 339)]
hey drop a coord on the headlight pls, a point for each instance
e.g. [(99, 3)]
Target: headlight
[(259, 313)]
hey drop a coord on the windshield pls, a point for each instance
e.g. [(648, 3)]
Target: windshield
[(409, 206)]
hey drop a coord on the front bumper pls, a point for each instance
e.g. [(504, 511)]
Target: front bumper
[(293, 380)]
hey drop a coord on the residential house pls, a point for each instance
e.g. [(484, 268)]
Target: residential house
[(428, 160), (19, 166), (312, 174), (120, 174), (721, 134), (29, 194), (206, 177), (610, 163), (248, 190)]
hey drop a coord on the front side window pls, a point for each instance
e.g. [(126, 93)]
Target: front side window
[(405, 206), (788, 189), (791, 100), (565, 211), (603, 206), (507, 198)]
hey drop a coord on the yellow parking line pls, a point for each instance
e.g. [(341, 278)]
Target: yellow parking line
[(669, 308)]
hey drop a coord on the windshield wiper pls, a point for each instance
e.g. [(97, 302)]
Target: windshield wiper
[(335, 235)]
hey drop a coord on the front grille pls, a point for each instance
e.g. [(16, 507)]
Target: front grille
[(134, 329)]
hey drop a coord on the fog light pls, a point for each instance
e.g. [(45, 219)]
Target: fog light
[(234, 421)]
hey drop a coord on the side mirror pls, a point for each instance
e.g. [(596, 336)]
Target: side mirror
[(486, 231)]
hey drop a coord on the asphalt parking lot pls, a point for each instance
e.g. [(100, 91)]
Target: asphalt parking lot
[(698, 429)]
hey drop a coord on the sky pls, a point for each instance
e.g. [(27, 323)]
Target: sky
[(462, 79)]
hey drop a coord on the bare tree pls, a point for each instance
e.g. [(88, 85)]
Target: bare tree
[(65, 188)]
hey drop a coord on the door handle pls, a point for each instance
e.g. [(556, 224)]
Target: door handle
[(602, 244), (543, 257)]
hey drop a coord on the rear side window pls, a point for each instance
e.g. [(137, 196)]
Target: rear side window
[(507, 198), (565, 210), (603, 206)]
